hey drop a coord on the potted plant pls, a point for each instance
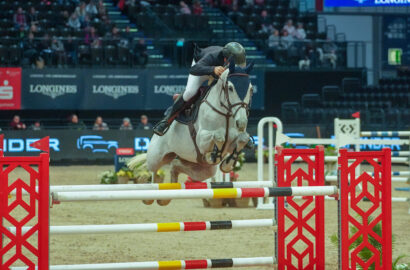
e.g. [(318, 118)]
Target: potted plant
[(124, 175), (108, 177)]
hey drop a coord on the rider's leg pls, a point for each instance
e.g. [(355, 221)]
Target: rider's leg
[(193, 84)]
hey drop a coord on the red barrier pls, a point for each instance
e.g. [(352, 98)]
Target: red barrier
[(17, 247), (296, 221), (364, 216)]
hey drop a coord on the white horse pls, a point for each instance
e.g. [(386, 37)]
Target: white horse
[(216, 137)]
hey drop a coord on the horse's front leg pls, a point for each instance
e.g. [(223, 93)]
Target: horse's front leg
[(210, 143), (235, 149)]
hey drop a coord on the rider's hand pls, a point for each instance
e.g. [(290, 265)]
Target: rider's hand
[(219, 70)]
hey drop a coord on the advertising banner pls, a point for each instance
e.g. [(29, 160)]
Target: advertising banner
[(52, 89), (10, 88), (366, 3), (161, 85), (113, 89), (73, 146)]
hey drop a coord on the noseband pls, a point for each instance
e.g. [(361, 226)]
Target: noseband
[(229, 106)]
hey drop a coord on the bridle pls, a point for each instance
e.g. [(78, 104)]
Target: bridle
[(228, 113), (228, 105)]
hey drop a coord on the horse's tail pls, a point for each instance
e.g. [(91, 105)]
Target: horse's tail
[(137, 161)]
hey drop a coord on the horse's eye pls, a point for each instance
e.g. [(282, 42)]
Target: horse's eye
[(230, 88)]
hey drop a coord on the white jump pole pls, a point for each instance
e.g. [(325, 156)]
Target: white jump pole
[(156, 227), (159, 265), (119, 187), (393, 178), (386, 133), (193, 194)]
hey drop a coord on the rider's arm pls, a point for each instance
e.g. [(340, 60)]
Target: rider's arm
[(205, 66)]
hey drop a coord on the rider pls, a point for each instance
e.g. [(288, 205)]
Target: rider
[(207, 62)]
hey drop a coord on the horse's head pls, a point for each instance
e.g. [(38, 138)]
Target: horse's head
[(238, 92)]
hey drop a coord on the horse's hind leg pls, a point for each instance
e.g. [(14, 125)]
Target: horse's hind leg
[(154, 165), (175, 171)]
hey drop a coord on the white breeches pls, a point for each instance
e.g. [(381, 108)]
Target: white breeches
[(193, 84)]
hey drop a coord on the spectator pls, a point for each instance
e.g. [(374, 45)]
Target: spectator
[(74, 22), (16, 124), (115, 35), (184, 8), (33, 29), (30, 47), (99, 124), (36, 126), (81, 12), (65, 15), (286, 40), (75, 123), (300, 33), (265, 19), (260, 2), (197, 9), (329, 53), (126, 38), (59, 55), (71, 50), (288, 27), (126, 124), (90, 35), (19, 19), (86, 22), (140, 51), (33, 16), (91, 9), (273, 43), (101, 9), (97, 43), (45, 49), (144, 124)]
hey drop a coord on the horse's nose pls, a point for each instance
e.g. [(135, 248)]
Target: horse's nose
[(241, 124)]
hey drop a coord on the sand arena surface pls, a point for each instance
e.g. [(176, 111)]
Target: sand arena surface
[(254, 242)]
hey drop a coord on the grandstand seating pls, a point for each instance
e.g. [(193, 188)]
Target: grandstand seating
[(387, 104)]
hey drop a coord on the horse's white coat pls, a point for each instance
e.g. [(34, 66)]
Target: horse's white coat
[(211, 128)]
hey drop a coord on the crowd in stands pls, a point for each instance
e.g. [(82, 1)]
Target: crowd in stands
[(288, 37), (74, 123), (62, 37)]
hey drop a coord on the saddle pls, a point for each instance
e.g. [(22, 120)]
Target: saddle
[(190, 113)]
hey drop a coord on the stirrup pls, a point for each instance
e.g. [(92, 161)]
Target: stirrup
[(163, 131)]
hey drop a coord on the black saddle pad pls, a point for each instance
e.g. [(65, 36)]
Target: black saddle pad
[(191, 112)]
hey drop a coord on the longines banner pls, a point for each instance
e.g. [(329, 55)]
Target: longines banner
[(111, 89)]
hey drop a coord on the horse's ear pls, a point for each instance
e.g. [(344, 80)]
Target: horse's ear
[(249, 67), (224, 76), (232, 66)]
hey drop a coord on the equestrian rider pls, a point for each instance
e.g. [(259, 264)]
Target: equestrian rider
[(207, 62)]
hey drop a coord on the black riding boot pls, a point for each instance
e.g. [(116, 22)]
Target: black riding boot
[(162, 126)]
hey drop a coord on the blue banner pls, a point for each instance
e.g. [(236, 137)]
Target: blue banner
[(112, 89), (52, 89), (161, 85), (366, 3)]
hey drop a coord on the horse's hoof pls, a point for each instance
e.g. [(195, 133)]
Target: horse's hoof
[(148, 202), (163, 202), (225, 168)]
